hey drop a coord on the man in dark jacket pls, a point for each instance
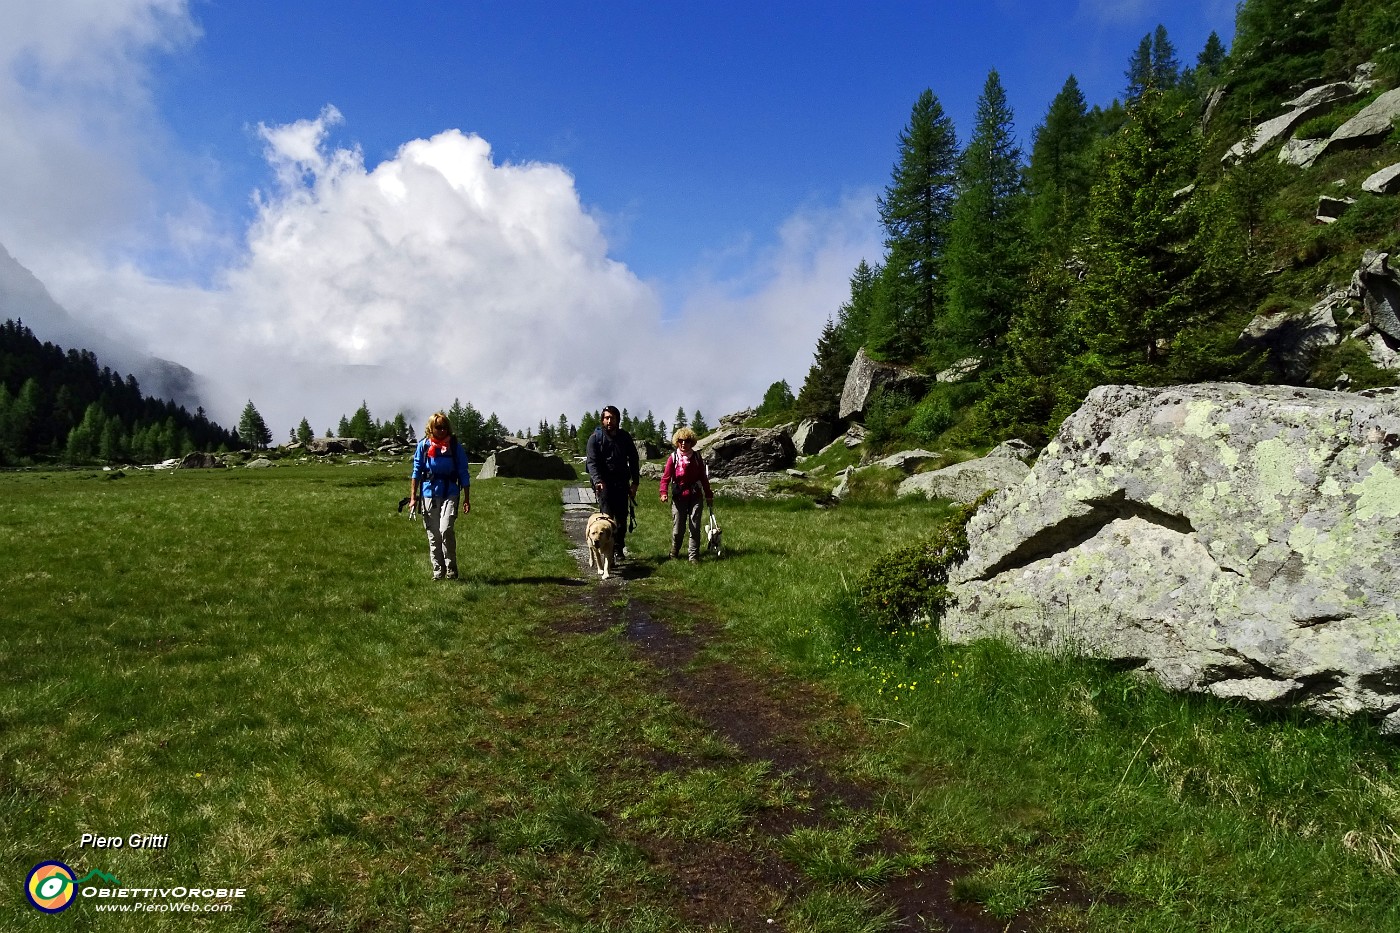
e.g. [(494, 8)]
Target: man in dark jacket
[(615, 469)]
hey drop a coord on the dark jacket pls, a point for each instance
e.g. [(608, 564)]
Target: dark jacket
[(613, 459)]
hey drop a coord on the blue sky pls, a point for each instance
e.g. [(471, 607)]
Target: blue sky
[(651, 204)]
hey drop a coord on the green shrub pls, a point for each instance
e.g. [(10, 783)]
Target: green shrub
[(886, 417), (912, 581)]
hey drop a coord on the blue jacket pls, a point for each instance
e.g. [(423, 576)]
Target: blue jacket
[(443, 476)]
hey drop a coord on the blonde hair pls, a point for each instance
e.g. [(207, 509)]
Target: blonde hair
[(437, 421), (682, 434)]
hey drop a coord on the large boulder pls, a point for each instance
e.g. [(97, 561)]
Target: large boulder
[(523, 463), (1271, 131), (201, 461), (1293, 339), (1369, 126), (866, 376), (964, 482), (321, 446), (1231, 539), (745, 452), (812, 435)]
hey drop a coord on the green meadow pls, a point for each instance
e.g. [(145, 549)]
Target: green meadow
[(255, 665)]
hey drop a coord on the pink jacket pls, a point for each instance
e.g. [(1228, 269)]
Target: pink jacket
[(689, 480)]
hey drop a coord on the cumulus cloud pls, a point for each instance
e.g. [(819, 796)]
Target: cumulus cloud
[(438, 273)]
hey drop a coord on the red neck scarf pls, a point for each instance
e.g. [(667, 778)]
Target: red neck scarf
[(436, 449)]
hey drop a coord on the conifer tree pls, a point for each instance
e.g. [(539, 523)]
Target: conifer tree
[(915, 211), (1166, 69), (1134, 297), (698, 425), (681, 420), (252, 429), (820, 395), (1139, 73), (1061, 169), (854, 317), (987, 250)]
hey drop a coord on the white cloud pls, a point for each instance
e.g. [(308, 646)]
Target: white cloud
[(439, 273)]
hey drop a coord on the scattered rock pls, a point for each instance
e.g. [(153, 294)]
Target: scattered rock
[(262, 463), (1386, 181), (1378, 287), (1330, 209)]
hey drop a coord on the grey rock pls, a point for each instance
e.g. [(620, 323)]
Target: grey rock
[(523, 463), (1330, 209), (960, 370), (737, 418), (201, 461), (908, 461), (964, 482), (1333, 93), (1270, 132), (1293, 340), (322, 446), (1378, 287), (1379, 349), (743, 452), (262, 463), (1369, 126), (866, 376), (1301, 152), (1015, 448), (1386, 181), (1225, 538), (812, 435)]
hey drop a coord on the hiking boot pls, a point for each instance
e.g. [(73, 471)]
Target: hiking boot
[(675, 553)]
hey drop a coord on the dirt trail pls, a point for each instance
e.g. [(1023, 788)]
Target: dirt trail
[(746, 884)]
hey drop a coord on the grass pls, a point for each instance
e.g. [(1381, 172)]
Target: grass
[(1042, 773), (256, 664)]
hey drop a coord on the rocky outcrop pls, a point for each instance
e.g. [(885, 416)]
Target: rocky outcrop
[(964, 482), (744, 452), (524, 463), (1369, 126), (907, 461), (1270, 132), (960, 371), (866, 377), (1231, 539)]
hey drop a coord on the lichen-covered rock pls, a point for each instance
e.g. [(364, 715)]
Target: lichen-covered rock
[(1231, 539), (524, 463), (1386, 181), (964, 482)]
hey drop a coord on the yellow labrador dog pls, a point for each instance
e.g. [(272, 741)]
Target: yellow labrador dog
[(599, 535)]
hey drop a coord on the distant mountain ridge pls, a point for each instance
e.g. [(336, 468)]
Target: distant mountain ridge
[(23, 297)]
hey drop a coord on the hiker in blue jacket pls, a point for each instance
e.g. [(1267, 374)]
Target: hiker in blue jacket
[(439, 475), (615, 469)]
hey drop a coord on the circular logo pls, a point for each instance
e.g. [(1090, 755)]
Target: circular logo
[(50, 887)]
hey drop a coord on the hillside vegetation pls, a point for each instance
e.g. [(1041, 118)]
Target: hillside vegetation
[(1120, 249)]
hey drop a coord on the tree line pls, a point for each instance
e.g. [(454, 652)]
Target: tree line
[(62, 405), (1119, 250)]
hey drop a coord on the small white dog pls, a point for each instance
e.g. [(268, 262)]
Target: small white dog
[(712, 535), (599, 535)]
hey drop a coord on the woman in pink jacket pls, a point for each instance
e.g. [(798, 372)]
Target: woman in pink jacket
[(685, 479)]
